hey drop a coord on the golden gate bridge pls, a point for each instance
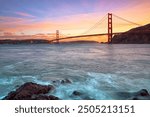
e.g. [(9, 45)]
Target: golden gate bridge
[(108, 20), (110, 33)]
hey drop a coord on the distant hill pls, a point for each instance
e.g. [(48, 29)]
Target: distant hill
[(27, 41), (139, 35), (41, 41)]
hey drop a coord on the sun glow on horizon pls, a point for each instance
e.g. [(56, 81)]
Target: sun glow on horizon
[(73, 18)]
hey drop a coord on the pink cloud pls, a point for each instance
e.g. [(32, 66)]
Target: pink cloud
[(9, 19), (13, 22), (24, 14), (10, 35)]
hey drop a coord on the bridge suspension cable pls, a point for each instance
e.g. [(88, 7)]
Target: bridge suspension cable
[(95, 25), (126, 20)]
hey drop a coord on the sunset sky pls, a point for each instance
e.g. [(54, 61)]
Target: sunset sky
[(30, 18)]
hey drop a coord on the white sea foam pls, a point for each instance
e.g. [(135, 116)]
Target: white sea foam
[(7, 81)]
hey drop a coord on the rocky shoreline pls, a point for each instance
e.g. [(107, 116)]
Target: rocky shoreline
[(33, 91)]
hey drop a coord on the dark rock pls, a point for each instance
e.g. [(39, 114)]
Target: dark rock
[(143, 92), (139, 35), (81, 95), (56, 81), (135, 98), (11, 95), (66, 81), (27, 90), (45, 97), (140, 95), (77, 93), (51, 97)]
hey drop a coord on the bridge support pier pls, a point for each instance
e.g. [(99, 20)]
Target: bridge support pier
[(109, 27), (57, 36)]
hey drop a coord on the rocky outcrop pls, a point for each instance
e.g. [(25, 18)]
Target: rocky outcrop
[(140, 35), (31, 91)]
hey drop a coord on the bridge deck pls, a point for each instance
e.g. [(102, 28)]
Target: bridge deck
[(79, 36), (91, 35)]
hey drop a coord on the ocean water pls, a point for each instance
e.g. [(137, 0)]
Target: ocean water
[(98, 71)]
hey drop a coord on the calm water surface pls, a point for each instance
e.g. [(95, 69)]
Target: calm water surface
[(99, 71)]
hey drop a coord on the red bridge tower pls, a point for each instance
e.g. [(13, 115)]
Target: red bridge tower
[(110, 27), (57, 36)]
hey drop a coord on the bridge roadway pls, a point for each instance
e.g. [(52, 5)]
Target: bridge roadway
[(116, 33), (79, 36)]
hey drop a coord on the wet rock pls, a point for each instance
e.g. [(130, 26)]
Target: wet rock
[(81, 95), (143, 92), (66, 81), (56, 82), (45, 97), (27, 90), (77, 93), (140, 95)]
